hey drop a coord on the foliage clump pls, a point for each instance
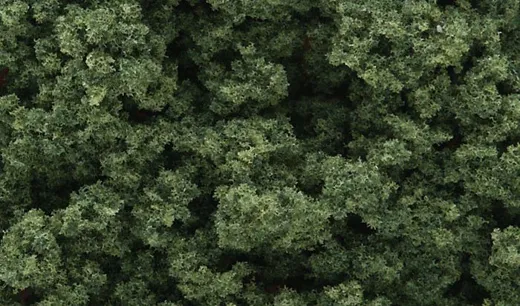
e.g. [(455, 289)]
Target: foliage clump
[(186, 152)]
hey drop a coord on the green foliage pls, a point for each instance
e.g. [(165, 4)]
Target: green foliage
[(286, 219), (186, 152)]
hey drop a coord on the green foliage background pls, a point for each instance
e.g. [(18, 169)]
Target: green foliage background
[(236, 152)]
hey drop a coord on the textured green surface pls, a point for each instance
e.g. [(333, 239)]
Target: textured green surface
[(238, 152)]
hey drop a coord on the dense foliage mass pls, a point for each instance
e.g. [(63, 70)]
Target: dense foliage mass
[(285, 153)]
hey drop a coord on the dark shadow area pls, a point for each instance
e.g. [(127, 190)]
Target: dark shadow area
[(476, 51), (453, 76), (51, 198), (383, 47), (314, 190), (455, 190), (4, 72), (509, 141), (183, 6), (177, 50), (111, 266), (475, 4), (356, 224), (311, 17), (27, 296), (227, 56), (248, 23), (300, 85), (352, 228), (404, 94), (300, 120), (265, 276), (172, 159), (505, 88), (137, 115), (342, 91), (164, 291), (301, 82), (450, 145), (168, 291), (28, 93), (444, 3), (406, 107), (503, 217), (232, 257), (202, 209), (298, 281), (466, 287), (189, 71), (458, 138)]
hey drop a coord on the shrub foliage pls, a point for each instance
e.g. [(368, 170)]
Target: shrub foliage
[(324, 152)]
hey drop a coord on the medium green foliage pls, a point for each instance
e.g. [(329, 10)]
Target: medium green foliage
[(186, 152), (286, 219)]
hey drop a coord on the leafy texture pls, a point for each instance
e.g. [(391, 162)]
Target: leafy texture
[(186, 152)]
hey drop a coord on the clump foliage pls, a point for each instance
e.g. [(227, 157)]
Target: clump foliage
[(325, 152)]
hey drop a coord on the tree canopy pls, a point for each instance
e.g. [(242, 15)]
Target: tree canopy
[(284, 153)]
